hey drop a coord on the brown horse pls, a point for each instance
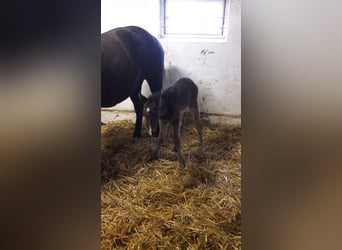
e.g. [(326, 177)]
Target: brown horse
[(130, 55)]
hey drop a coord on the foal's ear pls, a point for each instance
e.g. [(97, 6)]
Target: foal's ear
[(142, 98)]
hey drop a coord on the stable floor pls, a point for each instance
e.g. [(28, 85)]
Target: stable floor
[(152, 204)]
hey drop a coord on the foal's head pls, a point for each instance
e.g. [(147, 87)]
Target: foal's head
[(151, 112)]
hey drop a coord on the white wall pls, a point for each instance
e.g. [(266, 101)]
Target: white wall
[(217, 74)]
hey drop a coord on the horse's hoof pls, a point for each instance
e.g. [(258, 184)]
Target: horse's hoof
[(136, 135)]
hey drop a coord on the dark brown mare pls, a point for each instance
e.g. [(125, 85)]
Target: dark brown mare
[(130, 55)]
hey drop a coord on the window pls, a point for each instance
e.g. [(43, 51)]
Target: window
[(194, 18)]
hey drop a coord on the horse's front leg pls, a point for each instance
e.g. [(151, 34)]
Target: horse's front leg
[(138, 107)]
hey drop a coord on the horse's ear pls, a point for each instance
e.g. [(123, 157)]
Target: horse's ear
[(142, 98)]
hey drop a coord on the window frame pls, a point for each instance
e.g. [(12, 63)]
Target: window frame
[(194, 37)]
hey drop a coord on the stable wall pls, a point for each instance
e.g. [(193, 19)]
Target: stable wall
[(214, 66)]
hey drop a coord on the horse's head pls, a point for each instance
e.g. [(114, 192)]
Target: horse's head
[(151, 106)]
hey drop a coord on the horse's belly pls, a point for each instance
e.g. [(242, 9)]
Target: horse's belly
[(116, 88)]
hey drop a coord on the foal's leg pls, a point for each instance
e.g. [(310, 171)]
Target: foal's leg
[(160, 139), (196, 115), (176, 136), (178, 123)]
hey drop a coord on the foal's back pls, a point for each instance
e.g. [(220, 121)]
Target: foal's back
[(178, 98)]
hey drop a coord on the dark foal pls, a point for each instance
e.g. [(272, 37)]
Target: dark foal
[(169, 106)]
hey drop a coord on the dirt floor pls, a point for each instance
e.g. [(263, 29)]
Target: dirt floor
[(153, 204)]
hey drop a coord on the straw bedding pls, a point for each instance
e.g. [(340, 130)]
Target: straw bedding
[(148, 204)]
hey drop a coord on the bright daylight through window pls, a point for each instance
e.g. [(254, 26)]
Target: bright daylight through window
[(194, 18)]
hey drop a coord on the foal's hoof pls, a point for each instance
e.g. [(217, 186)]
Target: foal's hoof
[(203, 149), (155, 155), (181, 164)]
